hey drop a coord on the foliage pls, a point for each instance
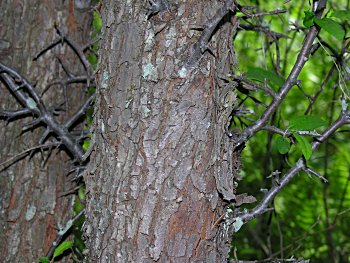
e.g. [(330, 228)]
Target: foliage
[(79, 201), (311, 219), (262, 75)]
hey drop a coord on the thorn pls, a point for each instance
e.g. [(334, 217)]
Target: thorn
[(312, 172)]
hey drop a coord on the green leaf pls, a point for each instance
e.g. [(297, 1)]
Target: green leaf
[(261, 74), (86, 145), (79, 243), (97, 21), (342, 14), (304, 145), (62, 248), (308, 19), (44, 260), (90, 91), (305, 123), (81, 193), (331, 27), (92, 60), (77, 207), (89, 117), (283, 145)]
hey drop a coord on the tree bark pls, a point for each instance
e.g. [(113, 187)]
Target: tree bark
[(162, 164), (31, 206)]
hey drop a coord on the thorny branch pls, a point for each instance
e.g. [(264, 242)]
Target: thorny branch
[(78, 51), (33, 106), (300, 166), (202, 44), (261, 123), (25, 93), (289, 83), (230, 6), (61, 232), (23, 154)]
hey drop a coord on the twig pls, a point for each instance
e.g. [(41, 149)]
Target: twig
[(286, 133), (256, 86), (80, 112), (325, 81), (78, 51), (264, 30), (91, 42), (33, 103), (289, 83), (274, 12), (293, 38), (262, 207), (70, 80), (217, 222), (21, 155), (62, 232), (202, 44), (8, 115), (310, 171)]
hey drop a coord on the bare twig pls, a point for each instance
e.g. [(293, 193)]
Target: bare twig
[(254, 86), (286, 133), (274, 35), (78, 50), (202, 44), (91, 42), (244, 10), (80, 112), (8, 115), (310, 171), (23, 154)]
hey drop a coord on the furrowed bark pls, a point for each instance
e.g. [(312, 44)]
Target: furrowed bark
[(31, 206), (152, 192)]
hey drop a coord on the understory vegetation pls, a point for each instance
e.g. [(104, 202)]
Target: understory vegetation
[(310, 217)]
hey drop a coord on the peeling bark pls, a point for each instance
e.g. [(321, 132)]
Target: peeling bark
[(160, 147), (31, 206)]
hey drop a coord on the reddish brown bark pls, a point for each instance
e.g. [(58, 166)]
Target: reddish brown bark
[(152, 193), (31, 206)]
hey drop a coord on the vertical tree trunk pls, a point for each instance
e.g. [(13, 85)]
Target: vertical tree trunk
[(162, 165), (31, 206)]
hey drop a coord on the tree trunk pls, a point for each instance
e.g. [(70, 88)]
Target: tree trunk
[(163, 168), (31, 206)]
